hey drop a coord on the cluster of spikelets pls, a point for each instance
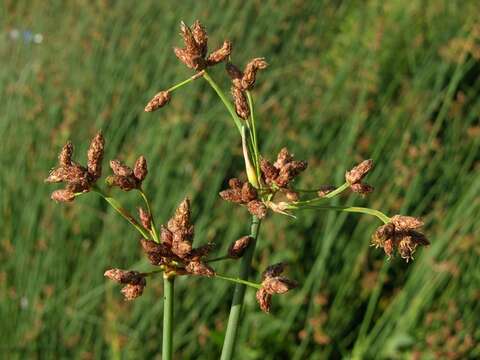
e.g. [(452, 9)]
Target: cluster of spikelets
[(173, 252)]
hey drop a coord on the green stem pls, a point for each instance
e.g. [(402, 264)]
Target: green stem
[(168, 289), (225, 101), (122, 211), (354, 209), (330, 195), (238, 295), (220, 258), (239, 281), (149, 209), (185, 82), (254, 133)]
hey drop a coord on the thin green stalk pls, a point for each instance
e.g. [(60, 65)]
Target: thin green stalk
[(168, 290), (239, 281), (254, 133), (225, 101), (149, 209), (330, 195), (238, 295), (355, 209), (185, 82), (122, 211), (220, 258)]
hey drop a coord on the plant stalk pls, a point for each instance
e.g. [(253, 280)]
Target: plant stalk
[(168, 287), (239, 294)]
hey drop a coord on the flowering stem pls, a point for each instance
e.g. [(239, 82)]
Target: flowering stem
[(122, 211), (330, 195), (149, 209), (254, 133), (239, 281), (220, 258), (185, 82), (355, 209), (238, 295), (225, 101), (168, 288)]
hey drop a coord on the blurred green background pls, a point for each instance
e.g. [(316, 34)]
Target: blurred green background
[(396, 81)]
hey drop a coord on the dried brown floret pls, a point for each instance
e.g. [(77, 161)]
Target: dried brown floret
[(65, 157), (201, 37), (126, 178), (388, 247), (402, 222), (278, 285), (283, 158), (63, 195), (272, 284), (238, 247), (257, 208), (220, 54), (289, 171), (199, 268), (233, 71), (359, 172), (132, 291), (361, 188), (166, 236), (273, 270), (201, 251), (125, 276), (159, 100), (250, 72), (249, 193), (264, 299), (140, 169), (145, 218), (241, 104), (382, 234), (125, 183), (95, 156), (235, 183), (269, 171), (120, 169)]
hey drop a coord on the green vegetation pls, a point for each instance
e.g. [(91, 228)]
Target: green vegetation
[(390, 80)]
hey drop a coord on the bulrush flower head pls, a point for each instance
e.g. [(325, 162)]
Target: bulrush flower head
[(77, 178), (194, 53), (159, 100), (134, 282), (238, 247), (126, 178), (273, 283), (245, 194), (283, 171), (240, 102), (145, 218), (400, 234), (245, 80), (355, 176)]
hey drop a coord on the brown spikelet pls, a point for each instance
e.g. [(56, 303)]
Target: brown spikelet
[(269, 171), (201, 37), (184, 57), (382, 234), (166, 236), (159, 100), (191, 46), (125, 276), (278, 285), (234, 183), (198, 268), (63, 195), (359, 172), (361, 188), (238, 247), (250, 72), (145, 218), (95, 156), (65, 157), (402, 222), (132, 291), (125, 183), (273, 270), (283, 158), (120, 168), (233, 71), (140, 169), (201, 251), (249, 193), (220, 54), (257, 208), (264, 300), (232, 195), (241, 104), (388, 247)]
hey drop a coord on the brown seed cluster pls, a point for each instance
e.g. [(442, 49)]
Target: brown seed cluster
[(133, 280), (355, 176), (159, 100), (243, 81), (273, 283), (244, 193), (400, 234), (194, 54), (175, 250), (282, 172), (78, 179), (238, 247), (127, 178)]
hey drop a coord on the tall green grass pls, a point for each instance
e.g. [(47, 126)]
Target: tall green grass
[(392, 80)]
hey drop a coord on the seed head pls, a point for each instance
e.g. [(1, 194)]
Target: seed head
[(125, 276), (273, 270), (220, 54), (359, 172), (200, 36), (199, 268), (250, 72), (166, 236), (63, 195), (159, 100), (125, 183), (402, 222), (269, 171), (95, 156), (140, 169), (145, 218), (249, 193), (65, 157), (120, 169), (283, 158), (257, 208), (238, 247), (278, 285), (241, 104), (361, 188), (264, 299), (234, 72), (382, 234), (133, 291)]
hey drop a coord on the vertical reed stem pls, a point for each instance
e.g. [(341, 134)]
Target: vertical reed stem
[(238, 295), (168, 287)]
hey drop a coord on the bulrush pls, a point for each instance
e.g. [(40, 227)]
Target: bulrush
[(283, 171), (238, 247), (78, 179), (355, 176), (194, 53), (400, 234), (134, 282), (245, 194), (126, 178), (159, 100), (175, 251), (273, 284)]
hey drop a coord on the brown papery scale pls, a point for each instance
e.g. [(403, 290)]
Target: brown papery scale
[(238, 247), (158, 101)]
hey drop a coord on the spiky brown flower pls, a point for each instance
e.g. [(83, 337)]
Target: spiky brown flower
[(194, 54), (272, 284), (63, 195), (241, 104), (126, 178), (361, 188), (283, 171), (359, 172), (65, 157), (140, 169), (264, 300), (257, 208), (132, 291), (238, 247), (159, 100), (197, 267), (95, 157), (403, 222), (250, 72), (145, 218)]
